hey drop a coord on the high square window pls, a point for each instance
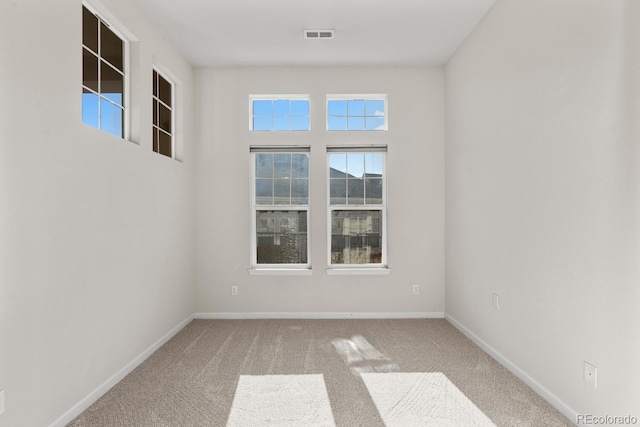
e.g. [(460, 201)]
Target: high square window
[(279, 112), (163, 117), (356, 112), (103, 75), (280, 207), (357, 207)]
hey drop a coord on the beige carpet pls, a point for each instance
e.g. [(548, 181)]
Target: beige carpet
[(320, 372)]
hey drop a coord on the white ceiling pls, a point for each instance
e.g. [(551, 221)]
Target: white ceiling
[(270, 32)]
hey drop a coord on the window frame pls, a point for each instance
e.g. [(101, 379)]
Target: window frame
[(358, 97), (116, 29), (370, 267), (278, 97), (165, 76), (256, 268)]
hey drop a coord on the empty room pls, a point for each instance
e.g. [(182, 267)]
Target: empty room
[(338, 213)]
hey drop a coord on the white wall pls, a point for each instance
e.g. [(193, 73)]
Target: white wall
[(96, 233), (542, 194), (415, 190)]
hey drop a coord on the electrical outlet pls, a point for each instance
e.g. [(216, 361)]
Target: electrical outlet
[(495, 301), (416, 289), (234, 290), (590, 374), (1, 402)]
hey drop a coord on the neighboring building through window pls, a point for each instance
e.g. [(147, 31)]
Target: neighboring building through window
[(357, 207), (353, 112), (279, 113), (280, 207), (103, 75), (163, 139)]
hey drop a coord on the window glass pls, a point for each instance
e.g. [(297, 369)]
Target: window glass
[(356, 114), (357, 207), (102, 76), (279, 114), (281, 181), (162, 115)]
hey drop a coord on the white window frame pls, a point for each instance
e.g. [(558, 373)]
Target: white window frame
[(281, 97), (358, 97), (382, 267), (170, 80), (115, 27), (277, 268)]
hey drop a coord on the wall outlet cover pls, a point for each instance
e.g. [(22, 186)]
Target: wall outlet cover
[(590, 374)]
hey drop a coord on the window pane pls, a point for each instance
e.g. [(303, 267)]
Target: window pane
[(90, 109), (286, 242), (337, 108), (300, 107), (281, 191), (164, 144), (264, 165), (355, 107), (300, 165), (338, 191), (281, 107), (373, 164), (356, 237), (111, 84), (375, 107), (111, 118), (164, 90), (338, 165), (155, 83), (299, 191), (280, 123), (155, 139), (337, 123), (264, 191), (262, 107), (155, 112), (90, 70), (299, 123), (89, 30), (355, 191), (262, 123), (373, 190), (375, 123), (165, 118), (355, 164), (355, 123), (111, 47), (282, 165)]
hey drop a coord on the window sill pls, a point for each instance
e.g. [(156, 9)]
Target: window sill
[(377, 271), (280, 272)]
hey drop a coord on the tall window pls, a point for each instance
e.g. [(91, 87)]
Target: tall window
[(279, 113), (103, 77), (162, 115), (356, 112), (280, 207), (357, 207)]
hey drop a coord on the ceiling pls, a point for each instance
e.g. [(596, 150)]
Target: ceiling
[(270, 32)]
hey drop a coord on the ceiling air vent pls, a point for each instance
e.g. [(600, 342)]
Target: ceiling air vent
[(318, 34)]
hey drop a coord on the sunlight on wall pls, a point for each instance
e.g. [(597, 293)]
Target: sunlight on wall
[(422, 399)]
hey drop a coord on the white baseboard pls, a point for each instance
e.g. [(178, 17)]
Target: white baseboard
[(339, 315), (553, 400), (81, 406)]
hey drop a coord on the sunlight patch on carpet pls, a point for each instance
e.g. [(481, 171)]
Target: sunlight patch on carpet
[(422, 399), (281, 400)]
